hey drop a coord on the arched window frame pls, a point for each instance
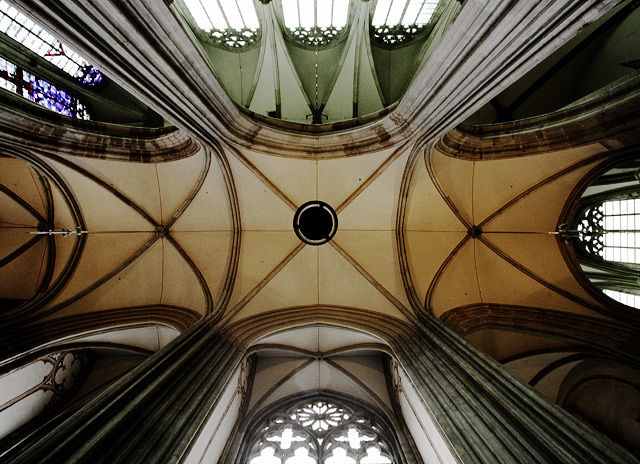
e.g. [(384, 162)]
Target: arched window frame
[(321, 27), (598, 256), (250, 437), (230, 24), (42, 386), (395, 23)]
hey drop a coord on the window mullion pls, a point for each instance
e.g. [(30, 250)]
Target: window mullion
[(244, 23), (224, 15), (404, 11)]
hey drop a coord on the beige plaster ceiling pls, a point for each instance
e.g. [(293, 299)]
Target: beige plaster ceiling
[(430, 262)]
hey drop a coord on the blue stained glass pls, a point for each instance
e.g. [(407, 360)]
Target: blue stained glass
[(90, 75), (39, 91)]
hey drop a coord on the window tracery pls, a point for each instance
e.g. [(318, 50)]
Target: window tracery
[(38, 386), (398, 21), (315, 24), (606, 233), (229, 24), (319, 431), (611, 230), (24, 31), (44, 93)]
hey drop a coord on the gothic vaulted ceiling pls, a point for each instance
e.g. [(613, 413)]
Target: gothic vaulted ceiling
[(174, 224)]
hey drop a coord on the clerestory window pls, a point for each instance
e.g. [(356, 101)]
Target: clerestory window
[(230, 23), (319, 432), (41, 385), (611, 230), (26, 32), (397, 21), (44, 93), (315, 23), (606, 233)]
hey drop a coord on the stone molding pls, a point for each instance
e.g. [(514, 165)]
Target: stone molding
[(147, 49), (610, 116)]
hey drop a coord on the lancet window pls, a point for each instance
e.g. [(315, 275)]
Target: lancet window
[(24, 31), (44, 93), (230, 23), (319, 432), (397, 21), (315, 23)]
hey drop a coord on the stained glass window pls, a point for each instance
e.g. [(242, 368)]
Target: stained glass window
[(315, 22), (315, 432), (397, 21), (230, 23), (23, 30), (40, 91)]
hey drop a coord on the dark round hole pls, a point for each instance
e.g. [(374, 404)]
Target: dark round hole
[(315, 223)]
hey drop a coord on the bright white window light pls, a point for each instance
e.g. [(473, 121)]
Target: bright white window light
[(315, 13), (403, 12), (24, 31), (621, 227), (230, 23), (307, 13), (380, 15), (395, 12), (291, 16), (324, 16), (318, 432), (223, 15), (624, 298), (249, 16), (340, 13), (315, 22), (411, 13)]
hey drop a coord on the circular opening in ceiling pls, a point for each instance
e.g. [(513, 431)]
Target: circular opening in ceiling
[(315, 223)]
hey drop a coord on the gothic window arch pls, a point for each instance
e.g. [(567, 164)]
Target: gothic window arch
[(41, 386), (230, 24), (315, 23), (607, 231), (320, 429), (396, 22)]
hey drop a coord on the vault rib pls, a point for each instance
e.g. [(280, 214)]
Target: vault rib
[(543, 182), (377, 285), (436, 278), (428, 162), (249, 296), (566, 294), (102, 280)]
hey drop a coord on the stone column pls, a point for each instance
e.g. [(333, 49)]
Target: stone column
[(151, 415), (487, 414)]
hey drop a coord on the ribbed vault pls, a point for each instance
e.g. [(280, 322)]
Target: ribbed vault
[(191, 227)]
